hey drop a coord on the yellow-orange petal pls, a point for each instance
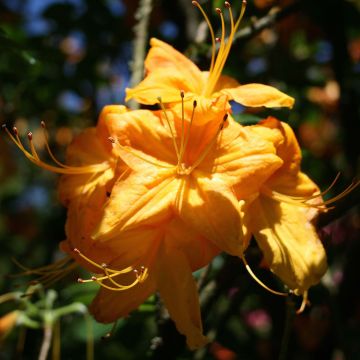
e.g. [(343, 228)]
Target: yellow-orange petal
[(242, 158), (164, 56), (179, 292), (289, 242), (108, 305), (165, 84), (210, 207), (257, 95), (142, 198), (144, 131), (199, 251)]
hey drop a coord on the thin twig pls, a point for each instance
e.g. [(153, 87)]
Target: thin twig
[(142, 16), (275, 15), (45, 346)]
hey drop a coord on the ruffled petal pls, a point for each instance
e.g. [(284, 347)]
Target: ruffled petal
[(242, 158), (210, 207), (289, 242), (145, 132), (140, 199), (109, 305), (257, 95), (198, 250), (160, 83), (288, 179), (179, 293), (164, 56)]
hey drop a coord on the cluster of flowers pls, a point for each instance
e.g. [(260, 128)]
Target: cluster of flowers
[(153, 196)]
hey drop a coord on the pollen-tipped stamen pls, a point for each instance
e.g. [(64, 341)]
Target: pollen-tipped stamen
[(60, 169), (225, 46), (212, 34), (170, 127), (186, 141), (110, 274), (252, 274), (48, 274), (116, 142), (208, 147)]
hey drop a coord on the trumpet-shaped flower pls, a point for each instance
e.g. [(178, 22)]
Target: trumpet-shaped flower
[(175, 209), (280, 216), (168, 71), (195, 172)]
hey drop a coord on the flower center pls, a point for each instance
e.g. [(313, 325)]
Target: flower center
[(218, 60), (182, 168)]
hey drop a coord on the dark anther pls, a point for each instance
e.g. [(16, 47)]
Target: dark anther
[(218, 10), (42, 123), (227, 4), (30, 135), (108, 193), (194, 104), (15, 130)]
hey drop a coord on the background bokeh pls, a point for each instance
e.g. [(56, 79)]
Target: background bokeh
[(61, 61)]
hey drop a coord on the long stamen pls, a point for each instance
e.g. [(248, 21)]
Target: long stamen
[(208, 147), (188, 131), (303, 303), (46, 137), (170, 127), (213, 42), (134, 153), (48, 274), (110, 274), (248, 268), (304, 201), (182, 128), (225, 46), (34, 157)]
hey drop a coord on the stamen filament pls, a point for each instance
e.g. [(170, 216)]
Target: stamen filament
[(34, 158), (124, 271), (208, 147), (248, 268), (126, 149), (188, 133), (170, 128), (182, 128), (213, 42), (303, 303), (46, 137), (225, 46)]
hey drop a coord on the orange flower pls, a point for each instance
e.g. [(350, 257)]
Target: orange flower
[(280, 216), (168, 72), (195, 172), (175, 210)]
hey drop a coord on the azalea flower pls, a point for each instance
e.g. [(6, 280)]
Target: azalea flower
[(176, 209), (168, 71), (195, 172), (280, 216)]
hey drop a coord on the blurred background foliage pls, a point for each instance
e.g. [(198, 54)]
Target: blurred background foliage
[(61, 61)]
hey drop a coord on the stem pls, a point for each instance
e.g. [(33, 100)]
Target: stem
[(140, 40), (290, 314), (266, 21), (45, 346)]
